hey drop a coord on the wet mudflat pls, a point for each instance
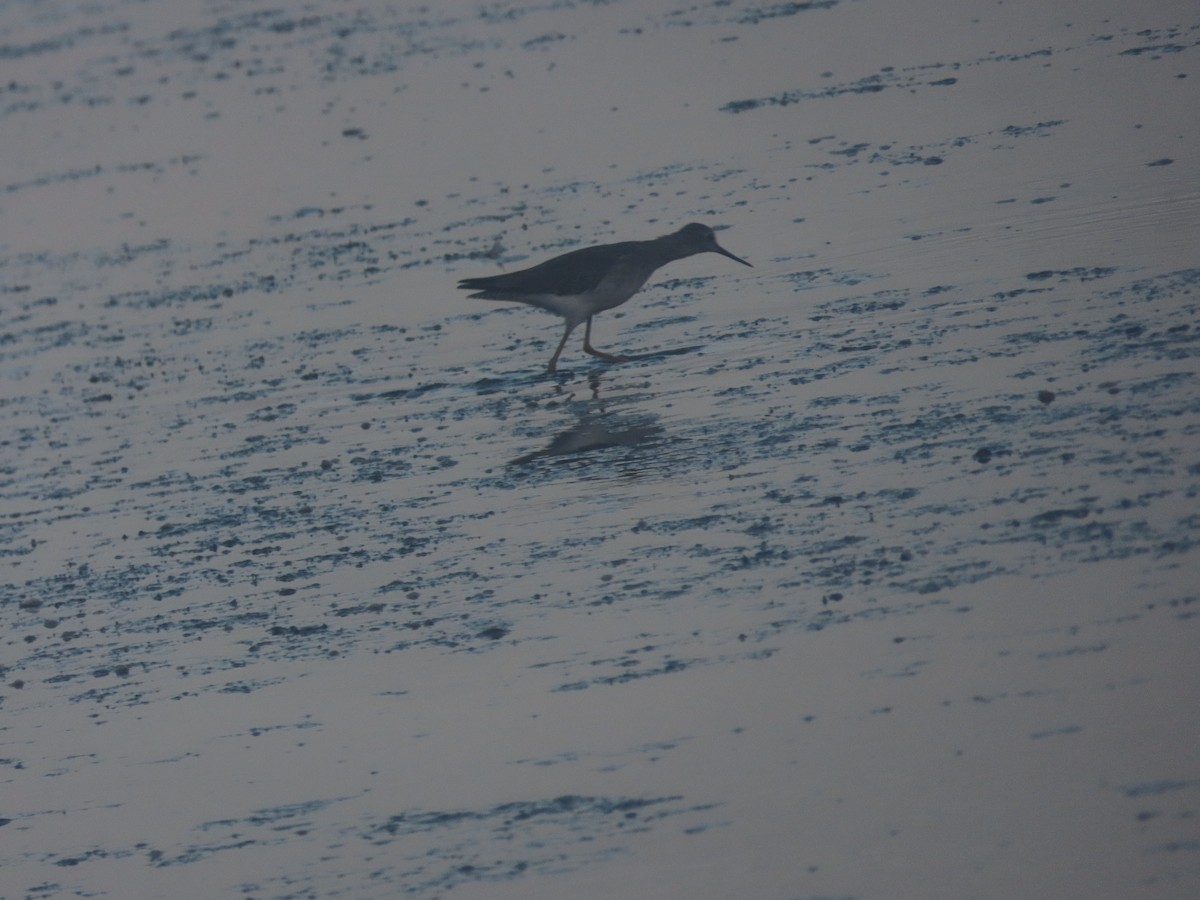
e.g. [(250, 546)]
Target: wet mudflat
[(874, 574)]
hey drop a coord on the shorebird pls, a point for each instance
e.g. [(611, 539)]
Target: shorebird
[(579, 284)]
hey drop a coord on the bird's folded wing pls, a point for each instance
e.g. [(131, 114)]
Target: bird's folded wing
[(572, 273)]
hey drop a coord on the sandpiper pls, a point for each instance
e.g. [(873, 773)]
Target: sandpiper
[(579, 284)]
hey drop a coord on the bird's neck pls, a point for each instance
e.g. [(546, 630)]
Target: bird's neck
[(668, 248)]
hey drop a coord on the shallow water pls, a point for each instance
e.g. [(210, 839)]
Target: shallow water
[(872, 575)]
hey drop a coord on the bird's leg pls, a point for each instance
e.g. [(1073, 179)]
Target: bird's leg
[(588, 348), (562, 343)]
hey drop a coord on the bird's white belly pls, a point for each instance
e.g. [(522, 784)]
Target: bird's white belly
[(619, 286), (614, 290)]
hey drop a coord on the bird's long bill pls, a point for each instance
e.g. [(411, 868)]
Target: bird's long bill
[(717, 248)]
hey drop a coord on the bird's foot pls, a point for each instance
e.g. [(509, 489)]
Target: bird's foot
[(607, 357)]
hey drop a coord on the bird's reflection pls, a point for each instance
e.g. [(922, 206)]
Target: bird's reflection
[(595, 433), (597, 429)]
